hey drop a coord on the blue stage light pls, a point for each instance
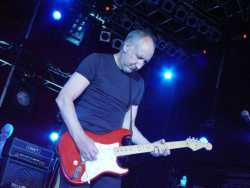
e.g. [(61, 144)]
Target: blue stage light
[(56, 15), (54, 136), (168, 75), (183, 181), (203, 139)]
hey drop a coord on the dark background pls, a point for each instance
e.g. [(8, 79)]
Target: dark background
[(199, 101)]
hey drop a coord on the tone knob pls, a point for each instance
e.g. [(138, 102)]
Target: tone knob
[(75, 162)]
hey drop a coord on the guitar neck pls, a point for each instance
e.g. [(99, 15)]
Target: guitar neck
[(145, 148)]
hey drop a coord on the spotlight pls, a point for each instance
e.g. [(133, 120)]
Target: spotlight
[(126, 22), (56, 14), (215, 34), (24, 92), (168, 75), (117, 43), (105, 36), (244, 36), (203, 27), (192, 20), (162, 44), (183, 181), (54, 136), (172, 50), (105, 7), (181, 13), (23, 98), (108, 8), (168, 6), (77, 31), (204, 51)]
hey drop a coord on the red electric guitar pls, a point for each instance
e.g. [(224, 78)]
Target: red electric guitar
[(78, 171)]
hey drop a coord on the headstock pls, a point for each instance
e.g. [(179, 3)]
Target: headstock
[(195, 144)]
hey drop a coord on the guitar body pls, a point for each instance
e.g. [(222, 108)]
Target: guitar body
[(77, 171)]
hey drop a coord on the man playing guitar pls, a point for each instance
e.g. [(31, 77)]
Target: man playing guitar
[(108, 91)]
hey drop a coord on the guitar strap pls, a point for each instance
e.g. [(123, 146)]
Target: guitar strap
[(130, 103)]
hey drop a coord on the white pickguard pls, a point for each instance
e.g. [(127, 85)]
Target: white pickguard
[(106, 162)]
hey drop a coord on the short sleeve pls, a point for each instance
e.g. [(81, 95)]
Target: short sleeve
[(139, 95), (88, 66)]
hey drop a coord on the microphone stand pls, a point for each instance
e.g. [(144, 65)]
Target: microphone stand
[(19, 52)]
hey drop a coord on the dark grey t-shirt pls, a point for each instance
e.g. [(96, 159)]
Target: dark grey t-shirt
[(102, 106)]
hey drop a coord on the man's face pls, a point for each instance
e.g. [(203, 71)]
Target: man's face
[(136, 54)]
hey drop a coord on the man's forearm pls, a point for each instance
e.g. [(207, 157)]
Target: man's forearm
[(137, 136), (67, 110)]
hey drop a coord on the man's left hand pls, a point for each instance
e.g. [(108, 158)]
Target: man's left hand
[(160, 149)]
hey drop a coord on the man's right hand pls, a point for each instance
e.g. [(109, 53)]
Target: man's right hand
[(87, 148)]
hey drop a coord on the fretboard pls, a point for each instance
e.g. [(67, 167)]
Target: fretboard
[(144, 148)]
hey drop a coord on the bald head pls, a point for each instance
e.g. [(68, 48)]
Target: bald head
[(137, 50), (139, 34)]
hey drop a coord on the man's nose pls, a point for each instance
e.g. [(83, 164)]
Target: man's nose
[(139, 64)]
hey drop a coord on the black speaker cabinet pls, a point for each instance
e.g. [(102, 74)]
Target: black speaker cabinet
[(15, 173)]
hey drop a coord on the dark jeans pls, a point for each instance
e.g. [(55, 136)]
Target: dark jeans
[(103, 181)]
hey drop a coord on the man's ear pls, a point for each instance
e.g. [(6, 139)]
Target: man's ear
[(126, 46)]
